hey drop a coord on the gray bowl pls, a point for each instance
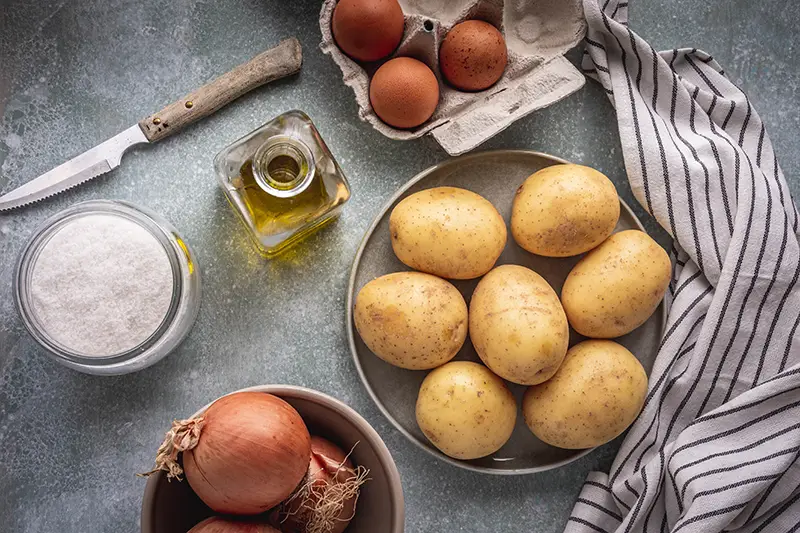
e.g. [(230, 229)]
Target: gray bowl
[(495, 175), (172, 507)]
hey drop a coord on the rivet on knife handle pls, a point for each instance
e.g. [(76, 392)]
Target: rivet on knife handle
[(282, 60)]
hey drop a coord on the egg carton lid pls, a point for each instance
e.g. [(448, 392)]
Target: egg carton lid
[(537, 33)]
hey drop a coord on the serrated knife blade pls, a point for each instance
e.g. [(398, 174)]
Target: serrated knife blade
[(277, 62), (90, 164)]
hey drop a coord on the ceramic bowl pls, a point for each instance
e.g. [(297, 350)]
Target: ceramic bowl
[(495, 175), (172, 507)]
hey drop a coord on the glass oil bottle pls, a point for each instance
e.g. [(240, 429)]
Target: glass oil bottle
[(282, 181)]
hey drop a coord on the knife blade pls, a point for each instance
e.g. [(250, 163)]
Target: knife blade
[(282, 60), (90, 164)]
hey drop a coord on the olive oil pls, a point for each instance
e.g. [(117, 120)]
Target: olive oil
[(282, 181)]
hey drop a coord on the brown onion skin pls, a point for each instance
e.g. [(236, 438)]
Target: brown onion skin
[(252, 453), (325, 458), (216, 524)]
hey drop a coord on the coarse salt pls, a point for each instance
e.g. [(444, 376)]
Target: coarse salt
[(102, 285)]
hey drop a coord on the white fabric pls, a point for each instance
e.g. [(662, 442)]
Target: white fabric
[(716, 445)]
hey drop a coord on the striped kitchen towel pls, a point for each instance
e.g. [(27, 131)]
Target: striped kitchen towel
[(716, 445)]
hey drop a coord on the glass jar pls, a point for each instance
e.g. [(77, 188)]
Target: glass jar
[(282, 181), (184, 301)]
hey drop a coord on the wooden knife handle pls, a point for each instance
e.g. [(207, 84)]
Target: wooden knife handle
[(282, 60)]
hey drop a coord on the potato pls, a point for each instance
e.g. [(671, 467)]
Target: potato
[(411, 320), (564, 210), (449, 232), (617, 286), (465, 410), (517, 325), (595, 395)]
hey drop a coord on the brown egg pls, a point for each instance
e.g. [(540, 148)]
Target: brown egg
[(404, 92), (473, 56), (368, 30)]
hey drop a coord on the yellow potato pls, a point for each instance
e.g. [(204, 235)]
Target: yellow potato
[(595, 395), (449, 232), (517, 325), (564, 210), (465, 410), (617, 286), (411, 320)]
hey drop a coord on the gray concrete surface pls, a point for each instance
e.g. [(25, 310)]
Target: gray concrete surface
[(74, 72)]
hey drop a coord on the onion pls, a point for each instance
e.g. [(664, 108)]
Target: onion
[(244, 455), (221, 525), (327, 500)]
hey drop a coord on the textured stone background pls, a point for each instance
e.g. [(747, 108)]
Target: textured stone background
[(75, 72)]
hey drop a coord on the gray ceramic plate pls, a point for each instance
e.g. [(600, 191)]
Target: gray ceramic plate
[(494, 175)]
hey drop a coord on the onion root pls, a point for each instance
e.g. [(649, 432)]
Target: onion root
[(184, 435), (318, 504)]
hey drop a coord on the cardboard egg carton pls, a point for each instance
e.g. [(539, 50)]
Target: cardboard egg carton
[(537, 32)]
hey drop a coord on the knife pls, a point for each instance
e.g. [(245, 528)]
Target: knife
[(277, 62)]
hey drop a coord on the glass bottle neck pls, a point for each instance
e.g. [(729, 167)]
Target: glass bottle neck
[(283, 166)]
